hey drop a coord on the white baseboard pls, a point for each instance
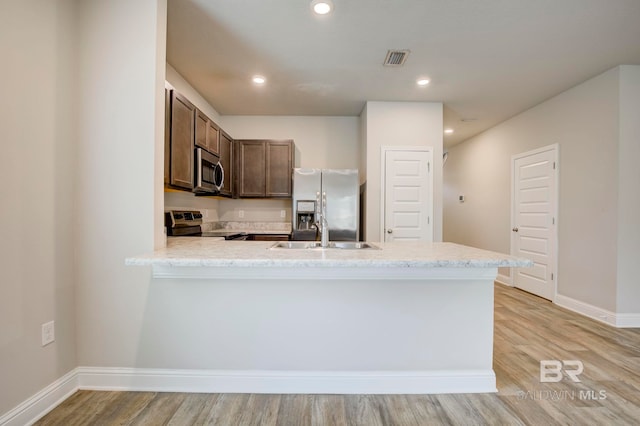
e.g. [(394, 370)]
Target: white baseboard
[(628, 320), (291, 382), (42, 402), (598, 314), (231, 381), (504, 280)]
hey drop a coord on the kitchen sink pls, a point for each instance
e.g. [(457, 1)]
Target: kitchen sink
[(341, 245), (352, 245), (296, 245)]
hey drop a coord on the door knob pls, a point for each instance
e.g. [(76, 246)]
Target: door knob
[(515, 229), (389, 231)]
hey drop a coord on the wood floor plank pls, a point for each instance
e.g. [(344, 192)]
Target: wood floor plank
[(194, 410), (328, 410), (295, 410), (396, 410), (527, 330), (124, 408), (427, 410), (362, 410), (493, 410), (160, 410), (227, 409), (460, 410), (528, 412), (79, 409), (260, 409)]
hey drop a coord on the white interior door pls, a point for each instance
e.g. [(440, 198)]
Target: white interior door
[(534, 220), (407, 195)]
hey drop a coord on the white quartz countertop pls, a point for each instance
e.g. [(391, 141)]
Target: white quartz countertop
[(209, 252)]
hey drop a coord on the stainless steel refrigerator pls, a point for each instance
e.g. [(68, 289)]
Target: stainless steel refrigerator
[(342, 188)]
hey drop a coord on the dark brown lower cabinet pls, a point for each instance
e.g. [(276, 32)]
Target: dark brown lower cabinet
[(268, 237)]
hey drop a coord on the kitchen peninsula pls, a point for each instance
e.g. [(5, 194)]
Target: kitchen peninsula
[(398, 318)]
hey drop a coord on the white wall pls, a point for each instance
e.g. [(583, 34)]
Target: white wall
[(321, 142), (38, 143), (628, 297), (401, 124), (185, 88), (120, 116), (584, 122)]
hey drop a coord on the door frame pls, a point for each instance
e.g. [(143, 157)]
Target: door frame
[(556, 171), (383, 181)]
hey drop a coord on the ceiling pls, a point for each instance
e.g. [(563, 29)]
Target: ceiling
[(487, 60)]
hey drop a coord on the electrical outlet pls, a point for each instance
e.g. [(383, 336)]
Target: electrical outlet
[(48, 333), (240, 214), (283, 213)]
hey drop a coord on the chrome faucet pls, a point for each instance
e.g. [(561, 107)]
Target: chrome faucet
[(324, 234), (321, 219)]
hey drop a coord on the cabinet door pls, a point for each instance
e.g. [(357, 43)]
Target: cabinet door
[(251, 168), (226, 159), (207, 133), (182, 137), (202, 122), (213, 138), (167, 136), (279, 168)]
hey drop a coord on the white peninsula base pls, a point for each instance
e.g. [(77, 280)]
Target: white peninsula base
[(316, 323)]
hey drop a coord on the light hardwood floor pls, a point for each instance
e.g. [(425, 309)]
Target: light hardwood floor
[(527, 330)]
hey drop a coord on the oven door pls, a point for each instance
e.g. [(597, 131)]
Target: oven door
[(209, 173)]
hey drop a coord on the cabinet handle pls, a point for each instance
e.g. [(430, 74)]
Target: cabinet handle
[(389, 231), (515, 229)]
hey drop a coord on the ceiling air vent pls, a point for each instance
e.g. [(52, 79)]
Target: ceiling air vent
[(396, 58)]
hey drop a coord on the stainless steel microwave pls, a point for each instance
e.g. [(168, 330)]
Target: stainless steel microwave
[(209, 173)]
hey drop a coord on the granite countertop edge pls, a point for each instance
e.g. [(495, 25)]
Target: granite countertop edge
[(205, 252)]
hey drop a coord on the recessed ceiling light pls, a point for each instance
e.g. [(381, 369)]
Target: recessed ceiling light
[(423, 82), (448, 131), (258, 79), (322, 7)]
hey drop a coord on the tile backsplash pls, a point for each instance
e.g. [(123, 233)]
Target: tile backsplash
[(268, 210), (230, 210)]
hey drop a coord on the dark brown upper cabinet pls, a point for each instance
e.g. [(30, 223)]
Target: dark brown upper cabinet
[(264, 168), (279, 168), (251, 167), (207, 133), (183, 115), (167, 136), (226, 159)]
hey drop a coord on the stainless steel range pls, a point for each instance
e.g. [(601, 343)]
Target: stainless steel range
[(188, 223)]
